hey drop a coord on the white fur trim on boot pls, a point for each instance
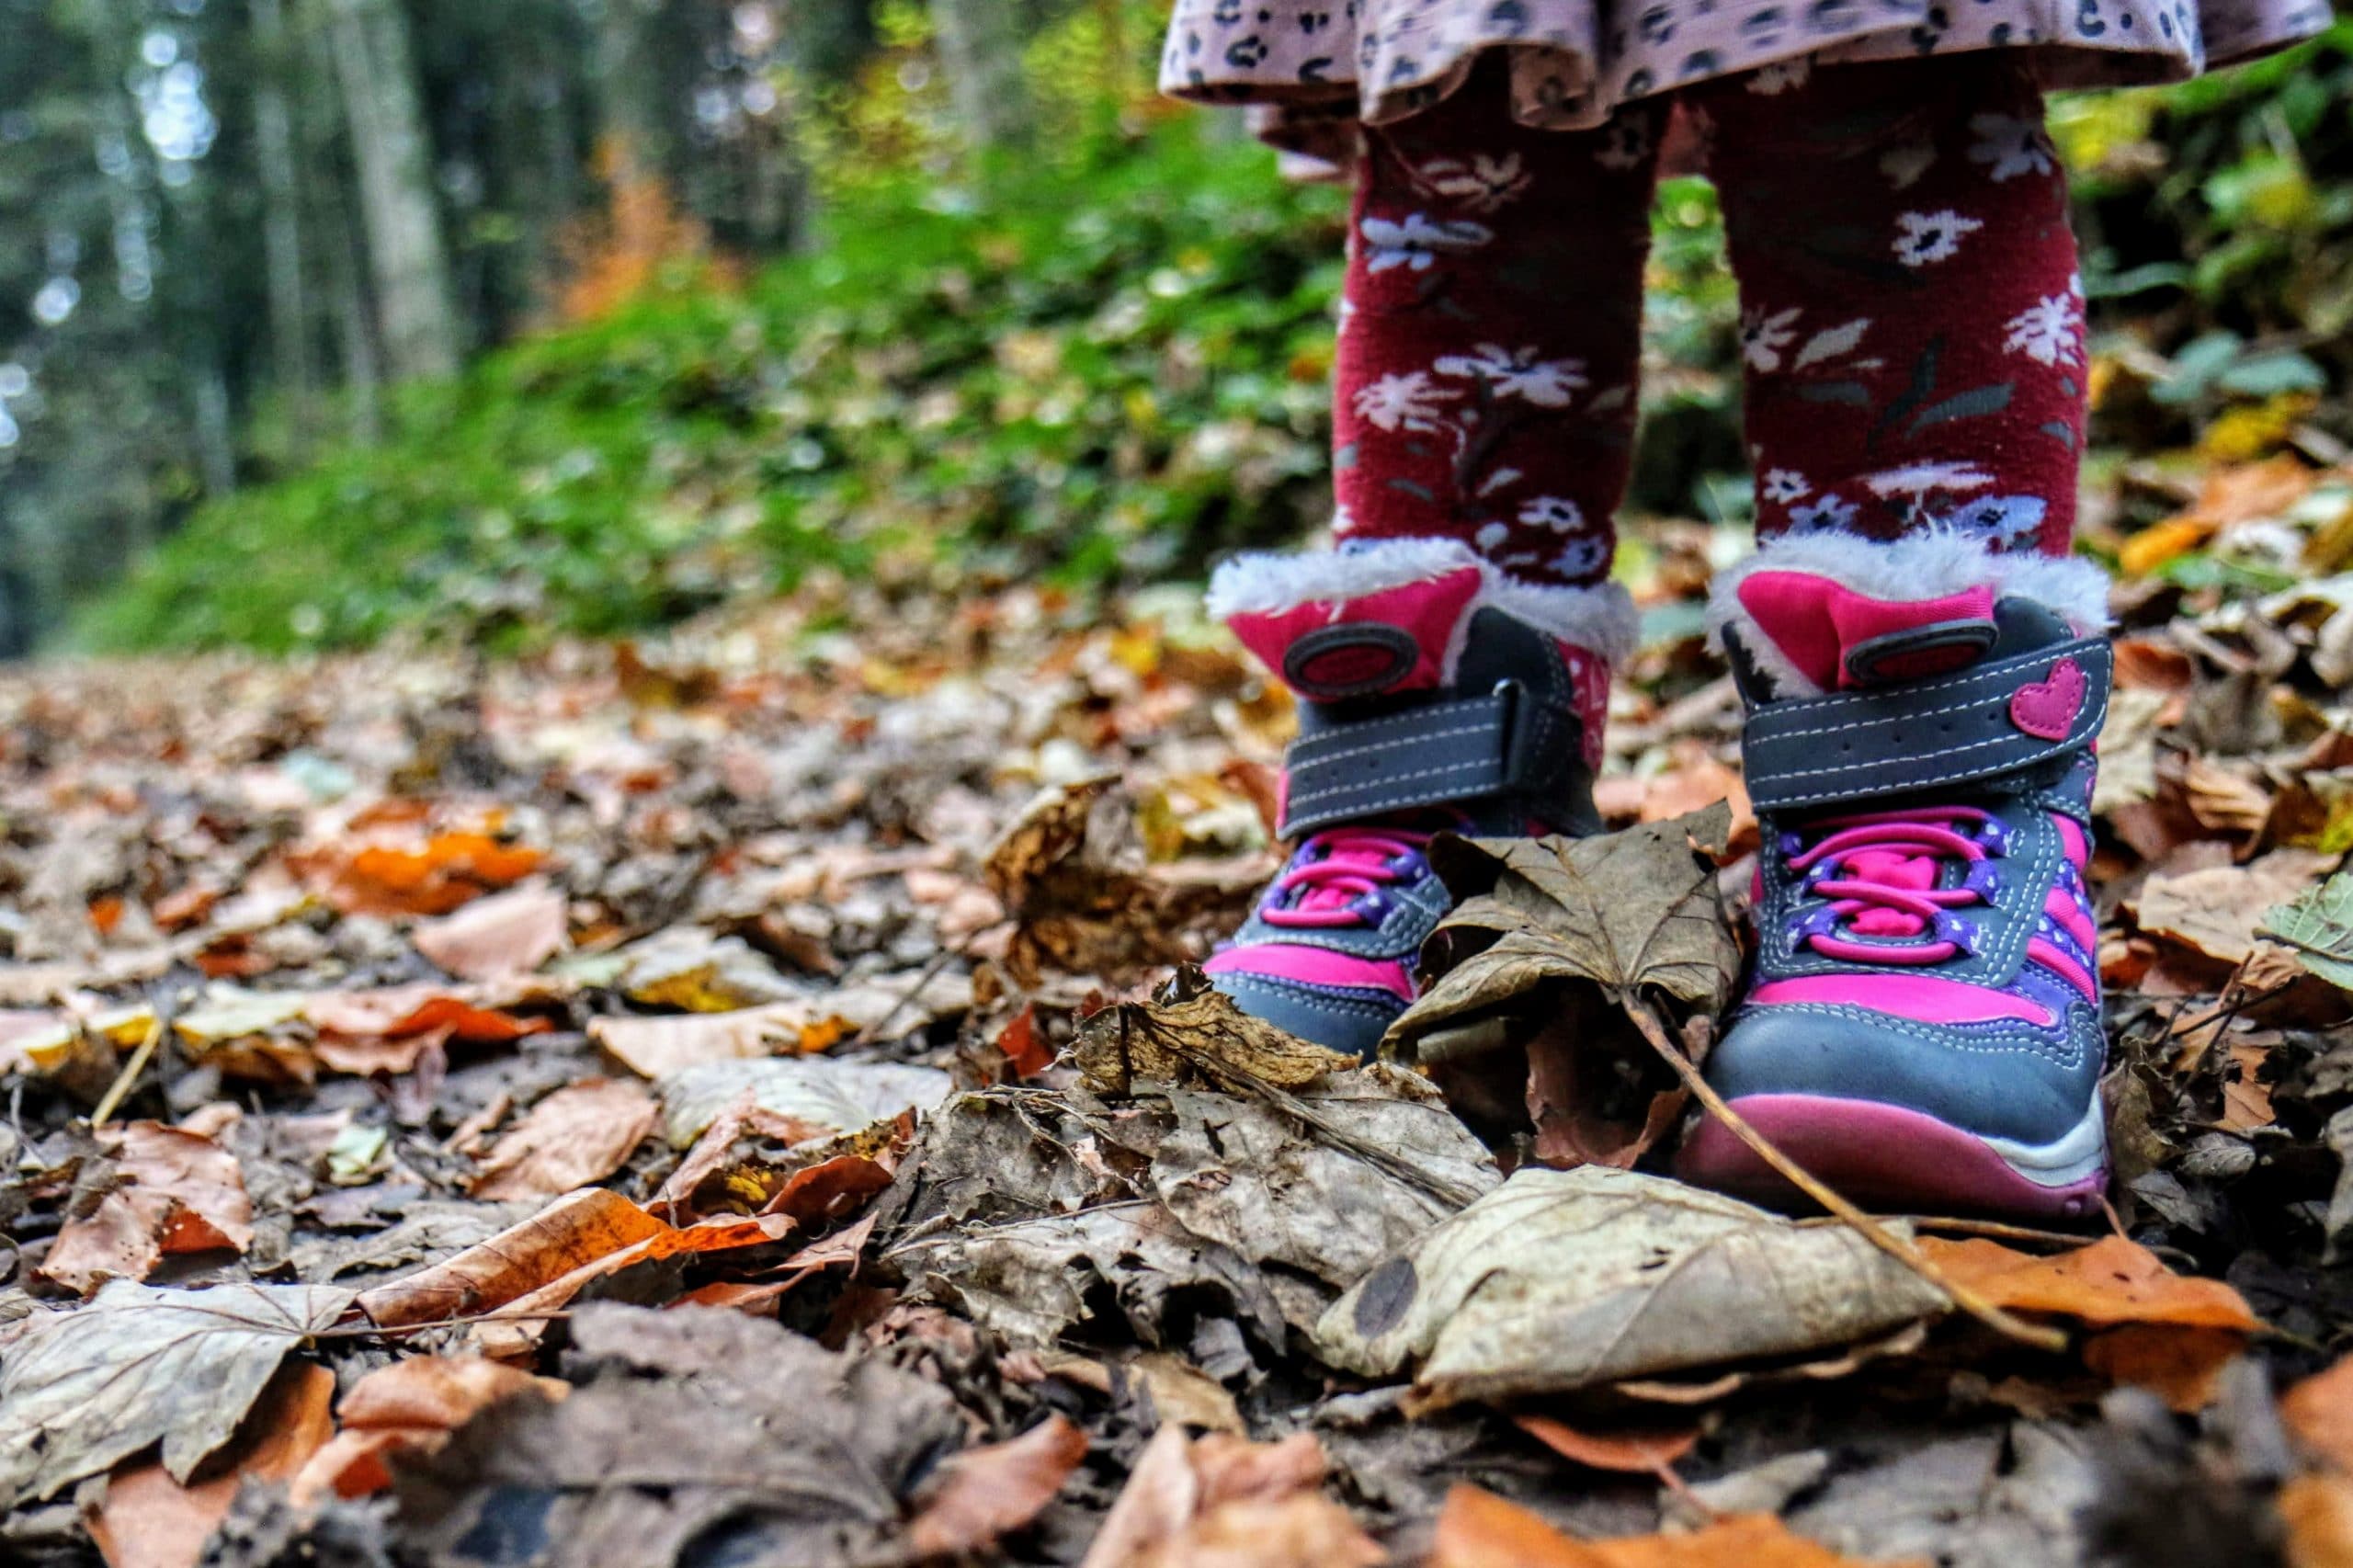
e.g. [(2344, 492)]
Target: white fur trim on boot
[(1601, 619), (1927, 565)]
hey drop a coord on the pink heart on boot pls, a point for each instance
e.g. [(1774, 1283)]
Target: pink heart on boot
[(2047, 707)]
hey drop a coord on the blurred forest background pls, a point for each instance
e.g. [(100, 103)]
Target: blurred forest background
[(325, 319)]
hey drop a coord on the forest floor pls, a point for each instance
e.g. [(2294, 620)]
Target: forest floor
[(704, 1102)]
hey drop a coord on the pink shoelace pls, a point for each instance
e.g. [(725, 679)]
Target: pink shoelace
[(1341, 877), (1880, 872)]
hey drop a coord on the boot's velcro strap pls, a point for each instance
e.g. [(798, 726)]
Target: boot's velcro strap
[(1506, 742), (1985, 722)]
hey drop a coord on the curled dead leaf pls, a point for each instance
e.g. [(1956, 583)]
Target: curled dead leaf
[(1479, 1529), (1191, 1033), (575, 1136), (411, 1406)]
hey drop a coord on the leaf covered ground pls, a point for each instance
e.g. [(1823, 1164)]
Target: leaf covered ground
[(740, 1099)]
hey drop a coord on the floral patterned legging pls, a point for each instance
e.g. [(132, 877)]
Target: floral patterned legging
[(1911, 329)]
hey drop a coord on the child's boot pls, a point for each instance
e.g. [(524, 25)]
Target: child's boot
[(1434, 693), (1923, 1026)]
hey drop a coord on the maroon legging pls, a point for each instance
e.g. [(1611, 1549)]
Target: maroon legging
[(1911, 328)]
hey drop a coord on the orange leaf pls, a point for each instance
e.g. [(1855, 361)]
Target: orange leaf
[(431, 878), (2182, 1365), (1022, 1046), (555, 1253), (2319, 1411), (1634, 1452), (2318, 1512), (411, 1406), (1479, 1529), (983, 1493), (149, 1520), (181, 1192), (509, 932), (2112, 1282)]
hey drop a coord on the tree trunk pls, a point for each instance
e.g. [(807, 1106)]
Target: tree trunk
[(979, 48), (290, 314), (405, 252)]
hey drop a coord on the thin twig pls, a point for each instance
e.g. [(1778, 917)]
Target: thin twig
[(1897, 1247), (118, 1090)]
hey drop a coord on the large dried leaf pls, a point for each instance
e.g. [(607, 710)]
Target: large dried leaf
[(2319, 925), (1528, 1024), (84, 1389), (2217, 911), (1567, 1279), (2319, 1411), (575, 1136)]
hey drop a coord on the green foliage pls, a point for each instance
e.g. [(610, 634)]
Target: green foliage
[(1109, 370)]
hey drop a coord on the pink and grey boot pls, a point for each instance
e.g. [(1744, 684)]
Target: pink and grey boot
[(1434, 693), (1923, 1028)]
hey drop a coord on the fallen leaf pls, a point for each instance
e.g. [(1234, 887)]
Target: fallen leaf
[(1222, 1500), (2112, 1281), (577, 1238), (2164, 1331), (505, 934), (410, 1406), (1634, 1450), (575, 1136), (983, 1493), (2319, 1411), (83, 1389), (840, 1097), (149, 1520), (653, 1047), (2318, 925), (1191, 1033), (2217, 912), (1560, 1280), (429, 877), (1478, 1530), (685, 1423), (182, 1192), (1553, 945)]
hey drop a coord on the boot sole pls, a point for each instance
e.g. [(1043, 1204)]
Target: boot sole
[(1888, 1157)]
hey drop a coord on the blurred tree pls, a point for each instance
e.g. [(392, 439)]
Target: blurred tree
[(374, 63), (980, 49)]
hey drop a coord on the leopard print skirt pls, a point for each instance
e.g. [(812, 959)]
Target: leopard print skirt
[(1316, 67)]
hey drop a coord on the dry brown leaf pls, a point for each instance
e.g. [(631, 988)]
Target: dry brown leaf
[(982, 1494), (149, 1520), (398, 1011), (1226, 1502), (181, 1192), (653, 1047), (575, 1136), (554, 1254), (411, 1406), (2216, 912), (2319, 1411), (1192, 1034), (1478, 1530), (1636, 1451), (505, 934)]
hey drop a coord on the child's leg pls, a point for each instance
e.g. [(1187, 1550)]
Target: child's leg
[(1453, 659), (1924, 671), (1489, 348), (1912, 319)]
